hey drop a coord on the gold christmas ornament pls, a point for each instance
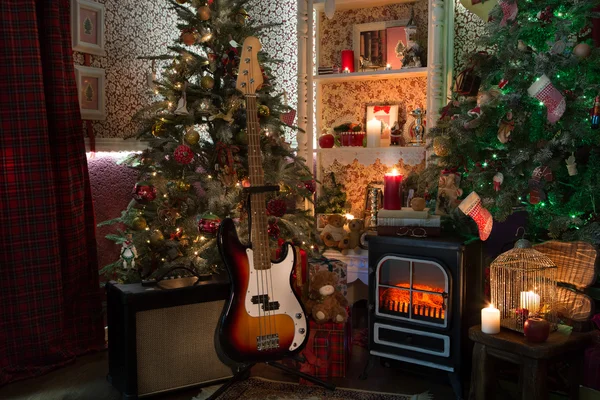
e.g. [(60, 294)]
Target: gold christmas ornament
[(139, 224), (189, 37), (263, 111), (207, 82), (582, 50), (156, 238), (241, 16), (441, 146), (158, 129), (183, 186), (204, 13), (191, 137)]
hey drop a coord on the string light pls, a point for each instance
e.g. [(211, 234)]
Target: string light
[(485, 164), (165, 195), (209, 176), (495, 155), (170, 104), (147, 228), (195, 253), (147, 241), (154, 173), (202, 238), (156, 92)]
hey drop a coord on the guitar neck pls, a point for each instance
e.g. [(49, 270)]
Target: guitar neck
[(260, 238)]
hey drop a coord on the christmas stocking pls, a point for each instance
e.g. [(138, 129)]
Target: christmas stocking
[(472, 207), (509, 10), (544, 91)]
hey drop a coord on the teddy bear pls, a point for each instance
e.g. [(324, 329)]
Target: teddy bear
[(352, 239), (324, 302), (333, 234)]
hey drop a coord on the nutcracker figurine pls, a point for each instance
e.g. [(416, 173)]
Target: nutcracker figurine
[(128, 252)]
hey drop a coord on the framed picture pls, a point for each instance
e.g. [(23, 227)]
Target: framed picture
[(375, 43), (388, 115), (87, 27), (91, 92)]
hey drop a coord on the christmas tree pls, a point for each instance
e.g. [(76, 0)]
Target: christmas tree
[(194, 172), (522, 128)]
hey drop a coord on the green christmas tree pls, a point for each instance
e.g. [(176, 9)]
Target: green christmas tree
[(524, 140), (193, 174), (333, 198)]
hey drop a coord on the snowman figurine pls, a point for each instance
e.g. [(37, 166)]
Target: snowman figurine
[(128, 252)]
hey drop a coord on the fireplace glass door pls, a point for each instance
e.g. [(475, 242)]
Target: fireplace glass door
[(411, 289)]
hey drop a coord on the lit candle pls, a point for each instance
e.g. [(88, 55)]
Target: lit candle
[(348, 60), (530, 301), (490, 320), (373, 133), (392, 191)]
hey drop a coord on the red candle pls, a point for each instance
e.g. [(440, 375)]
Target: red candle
[(392, 191), (348, 60)]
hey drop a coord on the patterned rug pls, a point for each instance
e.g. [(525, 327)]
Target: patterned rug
[(264, 389)]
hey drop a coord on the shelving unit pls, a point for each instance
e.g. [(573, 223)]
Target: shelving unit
[(371, 75)]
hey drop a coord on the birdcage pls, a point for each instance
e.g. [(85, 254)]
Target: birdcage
[(523, 285)]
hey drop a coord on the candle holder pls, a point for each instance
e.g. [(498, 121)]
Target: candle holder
[(418, 128), (373, 202), (523, 285)]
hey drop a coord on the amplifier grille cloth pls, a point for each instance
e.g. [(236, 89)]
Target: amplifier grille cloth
[(175, 347)]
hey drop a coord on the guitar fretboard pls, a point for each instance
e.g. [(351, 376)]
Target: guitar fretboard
[(260, 238)]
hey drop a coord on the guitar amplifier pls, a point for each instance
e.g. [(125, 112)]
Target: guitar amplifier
[(164, 337)]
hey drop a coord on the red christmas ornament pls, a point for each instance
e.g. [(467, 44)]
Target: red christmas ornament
[(208, 224), (545, 15), (310, 185), (273, 230), (276, 207), (143, 192), (183, 154)]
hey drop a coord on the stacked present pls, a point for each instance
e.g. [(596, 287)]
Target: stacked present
[(408, 222), (328, 350)]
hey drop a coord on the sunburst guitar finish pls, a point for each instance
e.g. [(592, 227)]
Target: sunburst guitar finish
[(245, 335)]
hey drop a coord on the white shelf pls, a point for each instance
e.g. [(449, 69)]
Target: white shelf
[(371, 75), (410, 155), (351, 4), (359, 150)]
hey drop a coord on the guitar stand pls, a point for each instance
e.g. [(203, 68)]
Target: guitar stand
[(243, 373)]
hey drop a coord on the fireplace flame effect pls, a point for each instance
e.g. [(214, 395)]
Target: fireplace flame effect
[(424, 304)]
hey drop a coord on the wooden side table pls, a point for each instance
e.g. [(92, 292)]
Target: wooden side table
[(533, 359)]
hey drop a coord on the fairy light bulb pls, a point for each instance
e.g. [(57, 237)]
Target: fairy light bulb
[(154, 173)]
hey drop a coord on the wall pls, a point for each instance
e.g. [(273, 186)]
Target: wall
[(137, 28), (467, 28)]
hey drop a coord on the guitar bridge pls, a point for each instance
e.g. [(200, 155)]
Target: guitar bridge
[(267, 342)]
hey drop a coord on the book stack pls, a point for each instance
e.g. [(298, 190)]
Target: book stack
[(328, 70), (407, 222)]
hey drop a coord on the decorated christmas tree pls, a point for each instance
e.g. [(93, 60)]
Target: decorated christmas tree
[(194, 172), (522, 128)]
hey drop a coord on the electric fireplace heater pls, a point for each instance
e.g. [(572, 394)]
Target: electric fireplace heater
[(424, 294)]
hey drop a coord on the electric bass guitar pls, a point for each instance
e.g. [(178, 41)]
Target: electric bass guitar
[(263, 319)]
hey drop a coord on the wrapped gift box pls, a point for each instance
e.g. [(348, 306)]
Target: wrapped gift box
[(339, 267)]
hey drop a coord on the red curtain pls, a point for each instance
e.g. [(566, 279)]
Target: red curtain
[(50, 299)]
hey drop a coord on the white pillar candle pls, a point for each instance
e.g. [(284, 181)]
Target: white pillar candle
[(490, 320), (373, 133), (530, 301)]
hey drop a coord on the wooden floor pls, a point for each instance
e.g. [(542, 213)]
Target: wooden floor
[(86, 380)]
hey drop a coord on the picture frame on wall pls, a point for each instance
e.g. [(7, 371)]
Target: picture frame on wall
[(388, 115), (91, 89), (374, 44), (87, 27)]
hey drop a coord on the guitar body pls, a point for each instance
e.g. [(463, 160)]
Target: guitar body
[(254, 328)]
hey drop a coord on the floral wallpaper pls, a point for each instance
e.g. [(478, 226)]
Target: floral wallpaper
[(136, 28), (356, 177), (336, 33), (467, 28), (351, 98)]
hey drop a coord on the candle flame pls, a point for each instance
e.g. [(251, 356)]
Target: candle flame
[(349, 216), (394, 172), (491, 306)]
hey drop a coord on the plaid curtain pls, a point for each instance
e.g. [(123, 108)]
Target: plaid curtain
[(50, 299)]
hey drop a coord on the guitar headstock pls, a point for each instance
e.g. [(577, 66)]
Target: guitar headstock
[(250, 76)]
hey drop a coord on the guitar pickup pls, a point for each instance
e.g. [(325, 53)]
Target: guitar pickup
[(270, 306), (260, 299)]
